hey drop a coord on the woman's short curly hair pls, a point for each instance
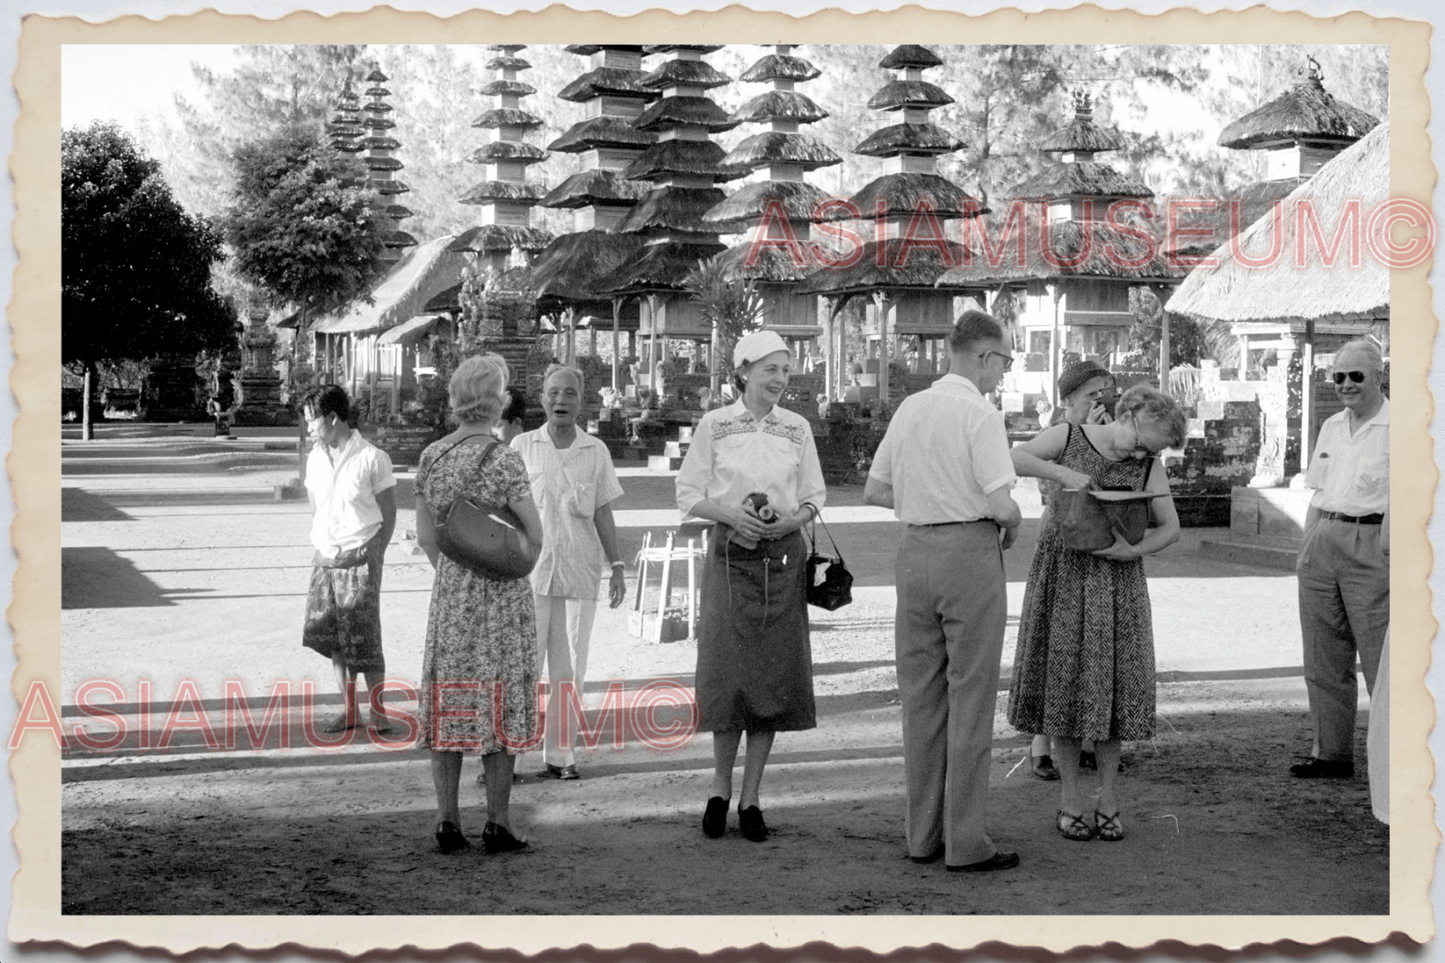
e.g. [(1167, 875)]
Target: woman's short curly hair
[(478, 389), (1147, 403)]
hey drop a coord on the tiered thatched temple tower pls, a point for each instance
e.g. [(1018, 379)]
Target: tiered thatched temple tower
[(684, 166), (379, 157), (605, 142), (775, 211), (910, 206)]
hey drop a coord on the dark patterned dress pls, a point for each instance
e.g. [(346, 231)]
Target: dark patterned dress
[(479, 674), (1084, 666)]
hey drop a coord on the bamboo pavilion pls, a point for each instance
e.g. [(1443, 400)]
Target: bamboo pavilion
[(901, 268)]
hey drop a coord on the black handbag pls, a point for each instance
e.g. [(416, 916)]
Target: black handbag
[(835, 589), (481, 537)]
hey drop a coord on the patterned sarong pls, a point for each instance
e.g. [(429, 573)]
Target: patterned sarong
[(343, 608)]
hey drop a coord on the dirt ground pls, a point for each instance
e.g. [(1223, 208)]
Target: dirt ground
[(157, 563)]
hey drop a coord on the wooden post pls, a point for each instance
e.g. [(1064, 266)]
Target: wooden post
[(1307, 397), (691, 588), (616, 344), (87, 430), (652, 344), (666, 588), (1056, 354), (880, 298), (1163, 349), (635, 619)]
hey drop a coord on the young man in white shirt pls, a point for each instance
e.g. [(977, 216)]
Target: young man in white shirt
[(574, 485), (353, 502), (1344, 568), (944, 468)]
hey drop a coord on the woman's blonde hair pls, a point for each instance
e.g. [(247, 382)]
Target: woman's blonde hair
[(1147, 403), (478, 389)]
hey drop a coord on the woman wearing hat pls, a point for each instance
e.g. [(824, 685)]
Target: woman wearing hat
[(753, 470), (1082, 388)]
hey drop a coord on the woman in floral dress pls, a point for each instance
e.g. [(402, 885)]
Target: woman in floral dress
[(1084, 667), (479, 674)]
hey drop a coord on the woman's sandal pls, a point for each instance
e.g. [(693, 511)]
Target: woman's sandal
[(1074, 827), (1109, 828)]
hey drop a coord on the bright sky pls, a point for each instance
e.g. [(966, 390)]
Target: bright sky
[(124, 82)]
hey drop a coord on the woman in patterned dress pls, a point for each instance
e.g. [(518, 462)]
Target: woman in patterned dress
[(754, 663), (479, 673), (1084, 667)]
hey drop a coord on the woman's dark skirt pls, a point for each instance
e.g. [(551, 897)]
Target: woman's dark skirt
[(754, 662)]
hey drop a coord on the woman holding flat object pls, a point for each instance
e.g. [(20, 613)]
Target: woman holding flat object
[(1082, 387), (752, 469), (481, 635), (1084, 667)]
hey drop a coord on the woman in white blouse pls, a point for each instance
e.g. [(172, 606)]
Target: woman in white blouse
[(753, 469)]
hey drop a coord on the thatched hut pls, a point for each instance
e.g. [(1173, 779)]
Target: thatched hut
[(774, 212), (899, 269), (683, 167), (606, 142), (1294, 311), (1075, 238)]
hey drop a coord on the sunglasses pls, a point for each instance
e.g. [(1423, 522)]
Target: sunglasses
[(1357, 377), (1008, 361)]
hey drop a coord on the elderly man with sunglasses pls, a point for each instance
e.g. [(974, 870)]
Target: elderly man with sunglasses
[(1344, 571)]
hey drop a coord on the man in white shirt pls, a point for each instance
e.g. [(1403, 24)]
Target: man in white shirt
[(574, 485), (944, 468), (1343, 568), (353, 503)]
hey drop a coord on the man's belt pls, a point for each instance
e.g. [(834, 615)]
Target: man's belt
[(1374, 519)]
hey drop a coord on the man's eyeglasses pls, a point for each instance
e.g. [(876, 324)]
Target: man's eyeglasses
[(1357, 377), (1008, 361)]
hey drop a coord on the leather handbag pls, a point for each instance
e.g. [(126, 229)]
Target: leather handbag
[(1089, 520), (835, 588), (483, 538)]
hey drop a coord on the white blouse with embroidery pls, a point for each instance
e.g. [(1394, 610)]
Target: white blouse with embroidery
[(733, 455)]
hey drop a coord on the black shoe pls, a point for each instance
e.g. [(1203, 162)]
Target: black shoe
[(450, 838), (715, 817), (1087, 760), (499, 839), (932, 857), (750, 821), (998, 860), (1323, 769), (1043, 767)]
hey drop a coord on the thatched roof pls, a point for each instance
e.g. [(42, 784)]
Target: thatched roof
[(685, 73), (657, 268), (398, 239), (898, 94), (777, 147), (1082, 134), (396, 212), (878, 269), (781, 67), (490, 238), (380, 143), (1080, 178), (671, 209), (905, 193), (614, 81), (744, 208), (498, 87), (419, 275), (772, 264), (515, 193), (601, 131), (1305, 111), (571, 265), (670, 113), (507, 63), (507, 117), (910, 55), (378, 91), (1232, 292), (588, 49), (506, 48), (376, 77), (445, 302), (507, 150), (1253, 202), (387, 187), (1075, 249), (382, 163), (909, 139), (780, 104), (607, 188), (682, 157), (663, 48)]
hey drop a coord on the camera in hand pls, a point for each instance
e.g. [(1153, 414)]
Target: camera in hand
[(758, 502)]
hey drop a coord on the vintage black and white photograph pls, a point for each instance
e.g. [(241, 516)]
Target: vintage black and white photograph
[(728, 479)]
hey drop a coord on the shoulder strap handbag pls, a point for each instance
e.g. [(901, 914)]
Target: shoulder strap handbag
[(483, 538), (835, 588), (1089, 520)]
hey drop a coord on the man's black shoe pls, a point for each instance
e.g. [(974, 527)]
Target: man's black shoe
[(1323, 769), (998, 860)]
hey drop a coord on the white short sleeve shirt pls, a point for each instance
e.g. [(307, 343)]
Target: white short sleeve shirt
[(343, 488), (1351, 473)]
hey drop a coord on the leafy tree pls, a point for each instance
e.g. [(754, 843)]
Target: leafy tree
[(730, 304), (135, 266), (305, 224)]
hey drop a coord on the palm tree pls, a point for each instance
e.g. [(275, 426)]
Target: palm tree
[(729, 303)]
